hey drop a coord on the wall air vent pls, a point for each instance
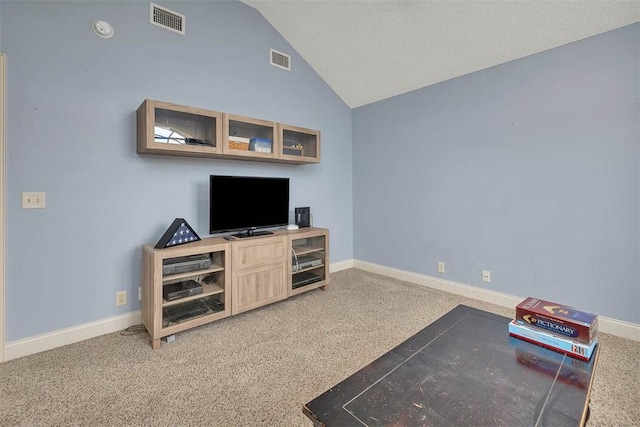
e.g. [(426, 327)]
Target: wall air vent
[(280, 60), (167, 19)]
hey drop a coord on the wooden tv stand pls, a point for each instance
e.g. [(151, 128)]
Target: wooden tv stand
[(245, 274)]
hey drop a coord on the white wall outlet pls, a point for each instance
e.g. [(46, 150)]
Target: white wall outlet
[(33, 200), (486, 276), (140, 294), (121, 298), (440, 267)]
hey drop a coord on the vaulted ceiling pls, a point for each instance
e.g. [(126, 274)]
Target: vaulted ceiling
[(371, 50)]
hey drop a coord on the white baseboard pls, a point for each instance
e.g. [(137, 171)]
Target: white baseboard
[(339, 266), (59, 338), (48, 341), (38, 343), (605, 324)]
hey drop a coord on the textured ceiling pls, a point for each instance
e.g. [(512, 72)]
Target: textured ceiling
[(371, 50)]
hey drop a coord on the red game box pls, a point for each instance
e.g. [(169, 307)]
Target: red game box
[(558, 319)]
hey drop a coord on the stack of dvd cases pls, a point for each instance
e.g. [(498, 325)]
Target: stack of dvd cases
[(557, 327)]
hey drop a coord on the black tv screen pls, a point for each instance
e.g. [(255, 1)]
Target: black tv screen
[(246, 203)]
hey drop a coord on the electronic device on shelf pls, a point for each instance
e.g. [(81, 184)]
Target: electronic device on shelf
[(214, 305), (246, 204), (303, 217), (186, 263), (177, 290), (184, 311), (195, 141), (305, 261), (304, 278), (209, 279)]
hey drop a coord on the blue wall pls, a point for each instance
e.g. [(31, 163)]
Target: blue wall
[(529, 169), (71, 132)]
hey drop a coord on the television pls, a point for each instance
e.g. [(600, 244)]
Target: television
[(245, 204)]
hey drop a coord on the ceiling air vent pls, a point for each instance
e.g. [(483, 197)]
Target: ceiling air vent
[(280, 59), (168, 19)]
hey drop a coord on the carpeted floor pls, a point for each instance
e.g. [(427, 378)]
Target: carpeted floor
[(258, 368)]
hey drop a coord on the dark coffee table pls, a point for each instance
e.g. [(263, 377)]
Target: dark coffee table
[(462, 370)]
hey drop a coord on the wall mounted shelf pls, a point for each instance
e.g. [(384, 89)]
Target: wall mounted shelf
[(177, 130)]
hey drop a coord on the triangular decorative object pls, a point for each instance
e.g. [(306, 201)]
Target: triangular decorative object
[(178, 233)]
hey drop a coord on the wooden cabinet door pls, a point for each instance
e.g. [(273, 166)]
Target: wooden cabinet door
[(263, 286), (259, 272)]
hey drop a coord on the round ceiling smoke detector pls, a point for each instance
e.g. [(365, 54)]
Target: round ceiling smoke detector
[(102, 29)]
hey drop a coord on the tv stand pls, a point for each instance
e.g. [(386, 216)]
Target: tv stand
[(252, 233), (245, 274)]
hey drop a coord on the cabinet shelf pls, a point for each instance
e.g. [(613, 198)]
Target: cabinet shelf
[(307, 249), (300, 145), (297, 289), (249, 129), (171, 129), (192, 322), (153, 282), (206, 291), (302, 270), (304, 242), (212, 269)]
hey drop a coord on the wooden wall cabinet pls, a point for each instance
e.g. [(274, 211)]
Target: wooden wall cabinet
[(299, 144), (245, 128), (178, 130)]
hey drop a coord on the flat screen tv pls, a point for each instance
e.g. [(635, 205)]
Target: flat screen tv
[(243, 203)]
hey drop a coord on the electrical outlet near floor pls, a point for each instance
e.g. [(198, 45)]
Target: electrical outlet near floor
[(140, 293), (486, 276), (121, 298), (440, 267)]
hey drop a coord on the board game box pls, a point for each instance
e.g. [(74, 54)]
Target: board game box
[(552, 342), (558, 319), (573, 372)]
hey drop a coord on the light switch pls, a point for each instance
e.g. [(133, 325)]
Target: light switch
[(33, 200)]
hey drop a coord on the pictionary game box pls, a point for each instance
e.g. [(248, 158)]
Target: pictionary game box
[(553, 342), (573, 371), (560, 320)]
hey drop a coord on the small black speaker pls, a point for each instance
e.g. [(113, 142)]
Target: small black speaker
[(303, 217)]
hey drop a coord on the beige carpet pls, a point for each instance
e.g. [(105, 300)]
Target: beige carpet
[(258, 368)]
